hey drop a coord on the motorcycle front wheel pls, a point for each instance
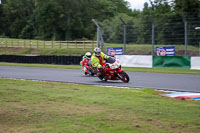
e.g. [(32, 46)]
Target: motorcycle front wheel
[(123, 76)]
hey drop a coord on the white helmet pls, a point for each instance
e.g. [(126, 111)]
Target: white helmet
[(97, 51), (88, 55)]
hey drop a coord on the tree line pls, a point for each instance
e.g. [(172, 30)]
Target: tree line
[(72, 20)]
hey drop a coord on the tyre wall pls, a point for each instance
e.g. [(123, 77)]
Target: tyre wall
[(45, 59)]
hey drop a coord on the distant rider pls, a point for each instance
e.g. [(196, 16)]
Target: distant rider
[(113, 54), (86, 61), (97, 59)]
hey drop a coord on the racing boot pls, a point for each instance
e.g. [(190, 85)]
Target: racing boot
[(86, 72), (100, 75)]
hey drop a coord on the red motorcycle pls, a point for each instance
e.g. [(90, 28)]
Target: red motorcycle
[(87, 67), (113, 71), (88, 70)]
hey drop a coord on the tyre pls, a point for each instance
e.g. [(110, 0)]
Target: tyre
[(123, 76), (92, 74), (100, 77)]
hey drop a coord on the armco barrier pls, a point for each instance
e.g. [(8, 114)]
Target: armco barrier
[(135, 60), (126, 60), (195, 63), (43, 59), (172, 61)]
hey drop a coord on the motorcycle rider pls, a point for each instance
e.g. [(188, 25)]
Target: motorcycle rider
[(113, 53), (86, 61), (97, 59)]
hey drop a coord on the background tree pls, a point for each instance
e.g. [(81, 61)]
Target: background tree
[(71, 20), (190, 12), (57, 19), (17, 15)]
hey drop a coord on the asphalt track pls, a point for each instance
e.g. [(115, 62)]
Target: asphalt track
[(171, 82)]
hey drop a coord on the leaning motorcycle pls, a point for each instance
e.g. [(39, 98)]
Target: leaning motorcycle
[(88, 70), (113, 71)]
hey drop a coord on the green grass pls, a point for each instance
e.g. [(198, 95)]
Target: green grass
[(148, 47), (49, 107), (128, 69), (34, 51), (42, 65), (74, 51), (138, 48), (128, 46)]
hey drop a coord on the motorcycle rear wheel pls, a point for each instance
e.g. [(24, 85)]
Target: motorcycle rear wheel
[(102, 78), (123, 76)]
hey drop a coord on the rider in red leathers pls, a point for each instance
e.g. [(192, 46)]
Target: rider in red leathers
[(85, 62)]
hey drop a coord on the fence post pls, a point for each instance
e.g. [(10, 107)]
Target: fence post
[(124, 34), (44, 44), (37, 44), (30, 43), (24, 43), (153, 33), (60, 44), (124, 38), (84, 44), (93, 44), (52, 44), (186, 39), (98, 32), (199, 48), (75, 44)]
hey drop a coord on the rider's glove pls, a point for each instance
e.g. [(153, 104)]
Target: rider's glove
[(101, 68)]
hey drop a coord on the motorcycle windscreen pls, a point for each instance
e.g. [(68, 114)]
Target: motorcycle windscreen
[(110, 60)]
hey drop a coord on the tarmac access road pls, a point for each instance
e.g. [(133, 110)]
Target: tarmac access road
[(160, 81)]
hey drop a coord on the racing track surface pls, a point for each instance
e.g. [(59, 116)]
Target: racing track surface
[(177, 82)]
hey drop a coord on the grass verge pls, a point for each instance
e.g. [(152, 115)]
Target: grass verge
[(128, 69), (34, 51), (33, 106), (148, 47)]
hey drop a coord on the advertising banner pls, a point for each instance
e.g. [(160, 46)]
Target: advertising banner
[(115, 51), (165, 51)]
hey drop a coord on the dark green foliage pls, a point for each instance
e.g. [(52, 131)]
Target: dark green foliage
[(56, 19), (71, 20)]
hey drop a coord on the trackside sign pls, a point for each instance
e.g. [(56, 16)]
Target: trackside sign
[(115, 51), (165, 51)]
